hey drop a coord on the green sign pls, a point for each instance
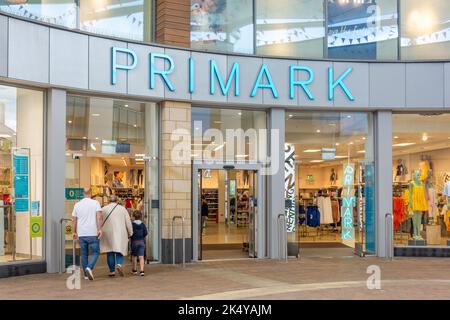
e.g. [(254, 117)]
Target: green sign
[(74, 193), (36, 227)]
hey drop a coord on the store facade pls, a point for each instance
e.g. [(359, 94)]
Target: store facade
[(138, 107)]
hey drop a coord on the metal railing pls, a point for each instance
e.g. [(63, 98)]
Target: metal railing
[(389, 224), (173, 239), (62, 262), (282, 237)]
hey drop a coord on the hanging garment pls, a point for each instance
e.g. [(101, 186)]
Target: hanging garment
[(313, 216), (418, 200), (335, 211), (432, 207), (399, 212), (447, 189), (326, 214), (301, 215), (447, 219)]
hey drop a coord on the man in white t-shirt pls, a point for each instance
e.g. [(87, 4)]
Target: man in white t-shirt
[(87, 222)]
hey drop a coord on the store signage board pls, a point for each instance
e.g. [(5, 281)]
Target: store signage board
[(262, 74), (21, 159), (36, 227), (74, 193), (289, 187), (348, 203), (328, 153)]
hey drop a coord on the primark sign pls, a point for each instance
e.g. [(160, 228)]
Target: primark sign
[(223, 84)]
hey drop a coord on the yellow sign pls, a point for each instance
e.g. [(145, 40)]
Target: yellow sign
[(69, 230), (36, 227)]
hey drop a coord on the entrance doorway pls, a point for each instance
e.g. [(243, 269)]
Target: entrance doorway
[(228, 211)]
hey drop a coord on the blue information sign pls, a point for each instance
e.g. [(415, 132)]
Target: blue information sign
[(21, 181)]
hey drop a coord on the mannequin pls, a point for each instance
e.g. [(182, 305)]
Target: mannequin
[(418, 202), (432, 199), (401, 171), (333, 177)]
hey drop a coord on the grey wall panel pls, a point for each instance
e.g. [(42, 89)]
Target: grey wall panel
[(447, 84), (28, 51), (3, 46), (180, 75), (279, 71), (319, 86), (100, 66), (55, 177), (387, 85), (383, 178), (357, 82), (247, 79), (69, 59), (139, 78), (424, 85), (202, 75)]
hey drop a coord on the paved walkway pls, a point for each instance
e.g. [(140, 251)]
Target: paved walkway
[(308, 278)]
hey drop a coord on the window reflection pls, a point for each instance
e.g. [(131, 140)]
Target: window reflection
[(60, 12), (118, 18), (223, 25), (290, 28), (362, 29), (425, 29)]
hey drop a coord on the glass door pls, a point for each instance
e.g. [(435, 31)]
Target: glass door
[(253, 214), (199, 214)]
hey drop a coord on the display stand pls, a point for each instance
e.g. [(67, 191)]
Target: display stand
[(433, 234), (417, 243)]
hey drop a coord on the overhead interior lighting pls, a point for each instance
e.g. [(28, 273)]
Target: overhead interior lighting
[(362, 151), (5, 136), (424, 137), (135, 125), (318, 130), (312, 150), (239, 113), (404, 144), (96, 114), (93, 147), (396, 137), (241, 155), (84, 138), (139, 155), (337, 144), (340, 157), (70, 121), (316, 161), (291, 115), (126, 106), (194, 155), (364, 138), (96, 138)]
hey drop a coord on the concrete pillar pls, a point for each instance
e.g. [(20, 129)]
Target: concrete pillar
[(176, 180), (55, 176), (275, 183), (383, 178)]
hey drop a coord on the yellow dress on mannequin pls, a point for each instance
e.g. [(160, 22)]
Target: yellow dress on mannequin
[(419, 202)]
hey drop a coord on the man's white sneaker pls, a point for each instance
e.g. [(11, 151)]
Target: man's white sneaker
[(89, 274)]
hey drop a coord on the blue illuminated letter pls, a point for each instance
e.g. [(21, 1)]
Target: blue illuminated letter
[(215, 73), (302, 84), (269, 85), (115, 66), (191, 75), (339, 82), (162, 73)]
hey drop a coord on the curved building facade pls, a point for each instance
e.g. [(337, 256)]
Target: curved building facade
[(244, 129)]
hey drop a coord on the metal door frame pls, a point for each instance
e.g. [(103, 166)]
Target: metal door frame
[(260, 228)]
